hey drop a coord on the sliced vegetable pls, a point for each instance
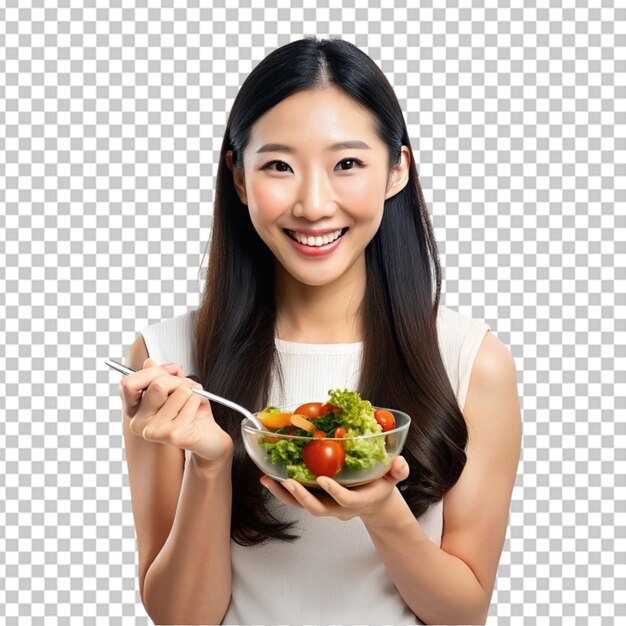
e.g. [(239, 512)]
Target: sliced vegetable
[(274, 420), (324, 457), (302, 422)]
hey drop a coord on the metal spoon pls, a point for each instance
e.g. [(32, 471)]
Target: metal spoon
[(123, 369)]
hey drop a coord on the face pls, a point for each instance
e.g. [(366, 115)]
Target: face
[(307, 184)]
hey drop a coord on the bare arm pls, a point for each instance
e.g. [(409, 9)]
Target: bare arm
[(453, 584), (189, 582), (181, 511)]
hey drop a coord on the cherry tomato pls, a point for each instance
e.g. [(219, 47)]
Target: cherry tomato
[(329, 408), (340, 431), (319, 434), (310, 410), (323, 457), (385, 419)]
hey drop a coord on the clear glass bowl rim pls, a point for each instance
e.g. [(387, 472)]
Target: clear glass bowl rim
[(285, 409)]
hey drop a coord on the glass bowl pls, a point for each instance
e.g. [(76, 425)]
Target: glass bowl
[(391, 441)]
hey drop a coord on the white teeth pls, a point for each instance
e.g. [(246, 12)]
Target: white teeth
[(315, 241)]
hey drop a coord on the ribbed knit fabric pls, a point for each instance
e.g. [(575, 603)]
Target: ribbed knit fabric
[(332, 574)]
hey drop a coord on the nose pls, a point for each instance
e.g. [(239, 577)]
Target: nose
[(315, 197)]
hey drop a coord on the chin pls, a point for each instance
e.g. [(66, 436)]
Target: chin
[(312, 278)]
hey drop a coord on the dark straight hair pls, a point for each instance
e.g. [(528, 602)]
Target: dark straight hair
[(234, 325)]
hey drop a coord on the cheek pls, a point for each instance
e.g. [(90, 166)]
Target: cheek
[(266, 199), (365, 195)]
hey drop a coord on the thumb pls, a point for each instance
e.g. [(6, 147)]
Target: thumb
[(149, 363), (400, 469)]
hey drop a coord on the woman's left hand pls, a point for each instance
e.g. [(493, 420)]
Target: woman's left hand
[(363, 501)]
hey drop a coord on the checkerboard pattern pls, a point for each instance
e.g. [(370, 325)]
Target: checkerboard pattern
[(111, 121)]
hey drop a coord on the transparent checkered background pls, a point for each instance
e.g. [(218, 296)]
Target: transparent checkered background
[(111, 120)]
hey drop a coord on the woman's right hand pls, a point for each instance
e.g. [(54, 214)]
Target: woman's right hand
[(170, 412)]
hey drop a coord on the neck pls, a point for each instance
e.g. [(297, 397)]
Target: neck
[(320, 314)]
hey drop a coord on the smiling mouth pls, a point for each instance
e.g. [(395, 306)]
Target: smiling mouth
[(290, 235)]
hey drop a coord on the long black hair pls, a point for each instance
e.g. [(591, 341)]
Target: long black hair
[(234, 325)]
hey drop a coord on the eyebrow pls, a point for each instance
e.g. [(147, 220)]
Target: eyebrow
[(342, 145)]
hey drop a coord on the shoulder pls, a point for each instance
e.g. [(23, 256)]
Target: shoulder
[(492, 401), (493, 375), (494, 363)]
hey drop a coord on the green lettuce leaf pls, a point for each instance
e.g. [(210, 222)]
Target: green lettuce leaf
[(358, 414)]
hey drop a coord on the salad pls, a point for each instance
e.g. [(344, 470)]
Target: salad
[(328, 430)]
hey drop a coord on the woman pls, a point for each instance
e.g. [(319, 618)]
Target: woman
[(320, 276)]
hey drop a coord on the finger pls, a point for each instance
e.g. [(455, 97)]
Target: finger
[(205, 401), (164, 429), (398, 471), (345, 497), (174, 403), (305, 498), (172, 368), (159, 390), (158, 406), (278, 490), (132, 386)]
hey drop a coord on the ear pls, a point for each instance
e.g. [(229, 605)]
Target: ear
[(400, 174), (238, 177)]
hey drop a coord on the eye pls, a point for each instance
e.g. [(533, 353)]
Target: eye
[(267, 165), (351, 160), (281, 163)]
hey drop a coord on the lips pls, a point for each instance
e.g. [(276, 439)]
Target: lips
[(290, 234), (322, 250)]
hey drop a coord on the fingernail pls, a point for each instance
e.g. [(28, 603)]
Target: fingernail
[(171, 367)]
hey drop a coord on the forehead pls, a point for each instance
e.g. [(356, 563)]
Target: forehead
[(315, 118)]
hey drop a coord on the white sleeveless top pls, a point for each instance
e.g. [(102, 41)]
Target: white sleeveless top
[(332, 574)]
